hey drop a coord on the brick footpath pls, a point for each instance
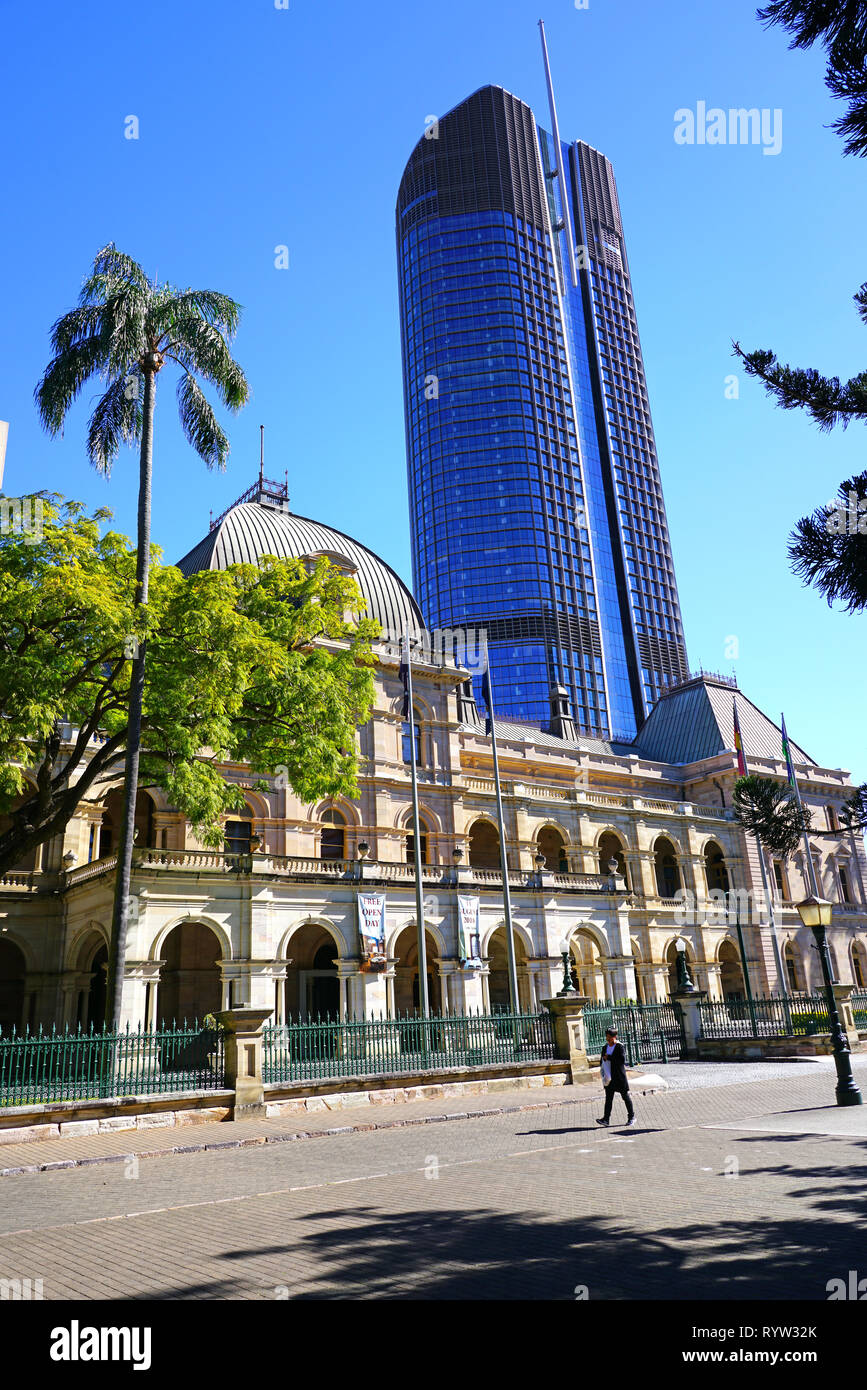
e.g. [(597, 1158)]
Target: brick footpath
[(515, 1204), (47, 1155)]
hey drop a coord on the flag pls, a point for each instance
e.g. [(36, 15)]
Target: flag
[(739, 743), (403, 673), (787, 754), (486, 696)]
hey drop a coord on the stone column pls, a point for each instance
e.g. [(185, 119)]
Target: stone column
[(687, 1004), (243, 1029), (569, 1035)]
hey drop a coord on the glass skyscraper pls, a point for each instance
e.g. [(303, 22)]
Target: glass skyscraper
[(536, 506)]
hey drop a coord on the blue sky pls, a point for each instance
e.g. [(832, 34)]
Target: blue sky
[(261, 127)]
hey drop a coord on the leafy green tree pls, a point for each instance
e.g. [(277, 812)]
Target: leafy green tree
[(124, 331), (842, 26), (267, 665)]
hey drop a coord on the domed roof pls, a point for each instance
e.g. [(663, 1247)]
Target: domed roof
[(252, 529)]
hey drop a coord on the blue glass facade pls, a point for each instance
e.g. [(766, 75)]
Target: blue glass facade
[(523, 512)]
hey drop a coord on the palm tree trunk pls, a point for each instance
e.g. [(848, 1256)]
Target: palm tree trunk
[(123, 882)]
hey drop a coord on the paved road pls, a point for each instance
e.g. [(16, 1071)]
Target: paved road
[(698, 1203)]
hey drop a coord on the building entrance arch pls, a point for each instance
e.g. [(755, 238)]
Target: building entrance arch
[(190, 983)]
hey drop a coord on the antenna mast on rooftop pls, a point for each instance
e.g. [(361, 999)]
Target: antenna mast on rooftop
[(560, 162), (261, 456)]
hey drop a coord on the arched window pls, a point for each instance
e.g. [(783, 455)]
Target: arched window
[(553, 846), (845, 886), (112, 819), (781, 880), (667, 872), (412, 731), (13, 978), (859, 970), (239, 832), (28, 860), (715, 869), (332, 837), (610, 848), (410, 843), (484, 846), (794, 973)]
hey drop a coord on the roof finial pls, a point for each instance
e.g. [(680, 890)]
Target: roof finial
[(261, 456)]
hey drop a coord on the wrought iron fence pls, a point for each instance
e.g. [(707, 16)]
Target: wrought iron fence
[(766, 1016), (859, 1007), (648, 1032), (322, 1048), (40, 1067)]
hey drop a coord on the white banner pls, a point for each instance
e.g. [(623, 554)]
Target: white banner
[(469, 931), (371, 929)]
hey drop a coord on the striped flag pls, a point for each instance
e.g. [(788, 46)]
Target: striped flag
[(787, 754), (403, 673), (739, 743)]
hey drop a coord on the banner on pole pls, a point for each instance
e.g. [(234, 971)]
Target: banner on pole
[(469, 931), (371, 929)]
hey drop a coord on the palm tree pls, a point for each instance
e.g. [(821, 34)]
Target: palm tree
[(124, 331)]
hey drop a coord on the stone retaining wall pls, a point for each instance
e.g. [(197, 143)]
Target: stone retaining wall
[(69, 1118), (753, 1049), (294, 1098)]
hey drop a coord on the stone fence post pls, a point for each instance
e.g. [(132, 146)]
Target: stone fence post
[(843, 998), (243, 1028), (686, 1002), (569, 1033)]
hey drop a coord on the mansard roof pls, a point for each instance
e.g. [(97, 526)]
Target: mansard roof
[(695, 720)]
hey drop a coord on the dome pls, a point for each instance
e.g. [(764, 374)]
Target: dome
[(251, 529)]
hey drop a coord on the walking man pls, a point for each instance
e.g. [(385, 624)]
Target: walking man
[(614, 1078)]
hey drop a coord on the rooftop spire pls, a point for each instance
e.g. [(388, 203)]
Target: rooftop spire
[(558, 155), (265, 491)]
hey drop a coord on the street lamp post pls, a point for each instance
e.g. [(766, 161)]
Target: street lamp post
[(568, 988), (815, 913)]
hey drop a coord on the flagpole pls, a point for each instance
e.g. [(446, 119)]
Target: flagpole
[(423, 1002), (772, 921), (793, 783), (504, 863)]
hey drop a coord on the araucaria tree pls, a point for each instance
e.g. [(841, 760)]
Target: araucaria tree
[(769, 810), (124, 331), (828, 549), (267, 665)]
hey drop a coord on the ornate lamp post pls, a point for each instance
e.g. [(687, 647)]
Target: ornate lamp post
[(568, 988), (815, 913), (684, 979)]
